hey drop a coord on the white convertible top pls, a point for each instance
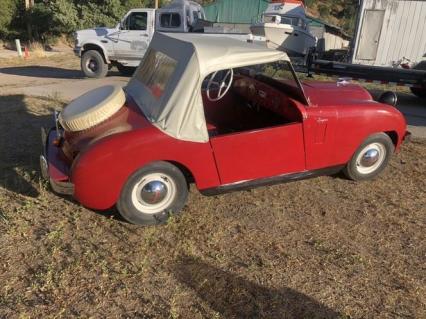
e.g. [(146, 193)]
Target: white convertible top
[(179, 112)]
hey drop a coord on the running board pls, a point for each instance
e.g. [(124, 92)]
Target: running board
[(286, 178)]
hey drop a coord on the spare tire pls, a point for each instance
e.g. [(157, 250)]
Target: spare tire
[(92, 108)]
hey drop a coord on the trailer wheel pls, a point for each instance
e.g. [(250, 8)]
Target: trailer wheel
[(420, 92)]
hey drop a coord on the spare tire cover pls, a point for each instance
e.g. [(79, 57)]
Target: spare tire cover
[(92, 108)]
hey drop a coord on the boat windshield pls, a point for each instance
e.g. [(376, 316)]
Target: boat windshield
[(285, 19)]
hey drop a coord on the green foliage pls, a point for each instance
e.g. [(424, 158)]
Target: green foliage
[(51, 18), (8, 10)]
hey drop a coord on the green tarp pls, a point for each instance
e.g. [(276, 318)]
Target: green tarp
[(235, 11)]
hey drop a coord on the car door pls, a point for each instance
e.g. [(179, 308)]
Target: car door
[(260, 153), (134, 36)]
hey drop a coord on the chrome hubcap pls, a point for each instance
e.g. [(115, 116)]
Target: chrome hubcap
[(371, 158), (153, 192)]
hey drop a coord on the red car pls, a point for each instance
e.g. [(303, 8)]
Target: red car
[(220, 113)]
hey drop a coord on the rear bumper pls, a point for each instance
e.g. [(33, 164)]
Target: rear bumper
[(53, 168)]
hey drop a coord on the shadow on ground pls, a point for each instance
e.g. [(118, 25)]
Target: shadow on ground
[(235, 297), (20, 143), (43, 72), (47, 72)]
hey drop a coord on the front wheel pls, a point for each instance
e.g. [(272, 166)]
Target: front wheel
[(93, 64), (152, 194), (371, 158)]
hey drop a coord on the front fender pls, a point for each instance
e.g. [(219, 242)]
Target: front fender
[(92, 44), (358, 123), (100, 172)]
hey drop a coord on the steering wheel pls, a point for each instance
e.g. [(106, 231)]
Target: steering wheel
[(222, 87)]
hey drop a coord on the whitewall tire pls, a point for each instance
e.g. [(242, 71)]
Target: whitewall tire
[(371, 158), (152, 194)]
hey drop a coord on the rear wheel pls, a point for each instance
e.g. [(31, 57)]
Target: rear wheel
[(152, 194), (371, 158), (126, 70), (93, 64)]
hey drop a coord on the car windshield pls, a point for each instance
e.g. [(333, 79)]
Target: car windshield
[(281, 72)]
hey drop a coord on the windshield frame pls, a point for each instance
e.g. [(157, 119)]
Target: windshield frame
[(296, 84)]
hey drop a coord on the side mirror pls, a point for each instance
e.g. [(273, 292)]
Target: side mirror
[(389, 98)]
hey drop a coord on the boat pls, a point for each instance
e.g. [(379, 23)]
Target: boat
[(284, 26)]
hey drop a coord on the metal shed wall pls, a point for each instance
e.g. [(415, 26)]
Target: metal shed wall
[(402, 32), (235, 11)]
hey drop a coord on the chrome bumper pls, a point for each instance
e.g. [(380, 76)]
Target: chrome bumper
[(63, 188), (77, 51)]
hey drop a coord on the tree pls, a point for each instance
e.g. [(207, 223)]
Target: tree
[(8, 11)]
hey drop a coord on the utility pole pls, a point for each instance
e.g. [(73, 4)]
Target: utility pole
[(156, 4), (28, 5)]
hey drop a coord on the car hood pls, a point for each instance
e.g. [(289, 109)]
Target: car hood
[(329, 93)]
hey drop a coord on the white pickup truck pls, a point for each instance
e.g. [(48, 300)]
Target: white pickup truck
[(124, 46)]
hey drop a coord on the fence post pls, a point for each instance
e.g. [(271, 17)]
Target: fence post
[(18, 47)]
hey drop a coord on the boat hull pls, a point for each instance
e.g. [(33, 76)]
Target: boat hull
[(294, 41)]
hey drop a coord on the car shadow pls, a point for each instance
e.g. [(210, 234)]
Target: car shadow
[(20, 144), (235, 297)]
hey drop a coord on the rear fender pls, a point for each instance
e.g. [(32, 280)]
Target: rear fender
[(100, 172)]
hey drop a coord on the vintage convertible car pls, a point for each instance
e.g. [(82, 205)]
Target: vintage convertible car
[(220, 113)]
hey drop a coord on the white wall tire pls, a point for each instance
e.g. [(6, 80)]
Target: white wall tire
[(92, 108), (152, 194), (371, 158)]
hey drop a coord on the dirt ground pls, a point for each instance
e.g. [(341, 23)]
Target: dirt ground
[(320, 248)]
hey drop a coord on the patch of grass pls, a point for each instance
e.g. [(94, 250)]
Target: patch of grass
[(319, 248)]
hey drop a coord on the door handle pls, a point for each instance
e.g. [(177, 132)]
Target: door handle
[(144, 35)]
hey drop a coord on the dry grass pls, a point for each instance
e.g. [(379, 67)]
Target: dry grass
[(37, 50), (321, 248), (62, 59)]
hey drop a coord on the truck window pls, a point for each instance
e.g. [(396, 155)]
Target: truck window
[(170, 20), (137, 21)]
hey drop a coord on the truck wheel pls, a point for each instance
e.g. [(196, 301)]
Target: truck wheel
[(152, 194), (93, 64), (126, 70), (371, 158), (420, 92)]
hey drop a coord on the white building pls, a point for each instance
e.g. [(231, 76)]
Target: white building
[(389, 30)]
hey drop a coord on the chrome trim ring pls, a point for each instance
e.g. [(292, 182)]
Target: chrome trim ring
[(371, 158), (154, 193)]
